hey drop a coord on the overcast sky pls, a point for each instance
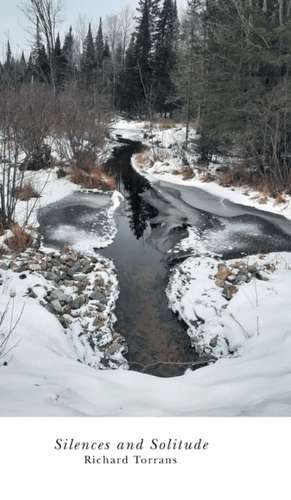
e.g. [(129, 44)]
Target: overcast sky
[(13, 22)]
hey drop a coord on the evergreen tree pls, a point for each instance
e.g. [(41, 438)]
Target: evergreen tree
[(143, 43), (165, 58), (88, 61), (38, 66), (68, 55), (100, 45), (129, 89), (60, 64)]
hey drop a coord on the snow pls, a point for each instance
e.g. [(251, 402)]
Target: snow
[(41, 374), (163, 161), (131, 130), (51, 190), (256, 381)]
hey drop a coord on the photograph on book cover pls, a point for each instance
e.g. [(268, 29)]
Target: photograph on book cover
[(145, 216)]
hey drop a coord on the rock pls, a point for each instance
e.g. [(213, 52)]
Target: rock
[(60, 296), (34, 267), (57, 306), (5, 266), (229, 291), (223, 272), (31, 293), (63, 322), (68, 318), (98, 295), (252, 268), (213, 342), (219, 283), (241, 277), (81, 287), (100, 308), (87, 268), (75, 269), (114, 348), (99, 282), (50, 275), (22, 276), (57, 295), (78, 302), (98, 321), (67, 309), (261, 276)]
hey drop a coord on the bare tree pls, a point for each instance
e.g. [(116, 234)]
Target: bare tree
[(9, 155), (126, 27), (47, 14), (81, 126)]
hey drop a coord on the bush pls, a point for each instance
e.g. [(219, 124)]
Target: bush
[(26, 192), (20, 239), (93, 178)]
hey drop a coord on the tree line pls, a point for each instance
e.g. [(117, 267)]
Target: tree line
[(223, 63)]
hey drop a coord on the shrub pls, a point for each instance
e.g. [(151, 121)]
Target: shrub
[(20, 240), (26, 192), (93, 178)]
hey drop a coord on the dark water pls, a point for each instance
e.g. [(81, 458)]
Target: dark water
[(150, 221), (157, 341)]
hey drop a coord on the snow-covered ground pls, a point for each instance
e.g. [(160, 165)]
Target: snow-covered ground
[(40, 372), (163, 161), (41, 375)]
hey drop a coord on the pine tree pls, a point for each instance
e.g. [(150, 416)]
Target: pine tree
[(38, 66), (21, 68), (88, 62), (60, 64), (68, 55), (106, 51), (165, 58), (100, 45)]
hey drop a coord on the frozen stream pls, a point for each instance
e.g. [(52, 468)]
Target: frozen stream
[(150, 221)]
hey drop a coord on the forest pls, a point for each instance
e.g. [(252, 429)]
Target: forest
[(223, 65)]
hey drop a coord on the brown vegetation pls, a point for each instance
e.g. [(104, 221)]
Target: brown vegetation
[(93, 178), (241, 175), (26, 192), (144, 159), (20, 239), (187, 173)]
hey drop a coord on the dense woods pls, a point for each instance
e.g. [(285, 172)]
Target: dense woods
[(223, 65)]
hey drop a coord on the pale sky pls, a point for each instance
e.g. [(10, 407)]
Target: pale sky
[(13, 23)]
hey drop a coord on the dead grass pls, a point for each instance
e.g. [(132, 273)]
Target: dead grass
[(241, 176), (93, 178), (187, 173), (165, 123), (207, 177), (20, 239), (279, 198), (144, 159), (223, 272), (26, 192)]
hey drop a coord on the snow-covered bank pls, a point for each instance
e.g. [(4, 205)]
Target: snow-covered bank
[(254, 380), (42, 376), (52, 190), (223, 302), (81, 292), (164, 160)]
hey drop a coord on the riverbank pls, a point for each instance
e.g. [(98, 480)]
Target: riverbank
[(164, 160), (42, 374), (207, 291), (74, 284)]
